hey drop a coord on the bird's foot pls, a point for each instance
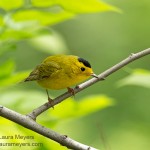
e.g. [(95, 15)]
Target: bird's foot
[(70, 90), (51, 102)]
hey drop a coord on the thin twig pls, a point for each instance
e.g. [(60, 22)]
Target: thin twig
[(88, 83)]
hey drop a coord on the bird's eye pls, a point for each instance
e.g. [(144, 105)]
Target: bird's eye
[(82, 68)]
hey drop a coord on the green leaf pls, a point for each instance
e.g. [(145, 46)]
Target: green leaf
[(41, 3), (11, 4), (138, 77), (13, 79), (93, 103), (41, 17), (50, 43), (77, 6), (23, 101), (15, 34), (7, 75), (71, 108), (86, 6), (26, 16)]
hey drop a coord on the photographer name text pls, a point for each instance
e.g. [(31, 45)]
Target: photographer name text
[(16, 136)]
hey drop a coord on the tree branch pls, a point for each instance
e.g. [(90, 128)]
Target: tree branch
[(27, 122), (88, 83)]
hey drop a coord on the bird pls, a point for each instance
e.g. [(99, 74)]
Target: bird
[(61, 71)]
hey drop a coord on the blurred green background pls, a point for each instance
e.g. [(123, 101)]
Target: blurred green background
[(110, 115)]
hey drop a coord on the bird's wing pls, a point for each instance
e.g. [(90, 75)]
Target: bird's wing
[(44, 70)]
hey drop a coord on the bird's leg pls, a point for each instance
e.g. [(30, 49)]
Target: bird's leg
[(70, 90), (49, 99)]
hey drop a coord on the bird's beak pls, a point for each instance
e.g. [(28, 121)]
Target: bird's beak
[(94, 75)]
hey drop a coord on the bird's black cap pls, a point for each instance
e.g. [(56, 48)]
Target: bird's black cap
[(85, 62)]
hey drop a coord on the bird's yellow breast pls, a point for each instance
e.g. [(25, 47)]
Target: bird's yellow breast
[(62, 80)]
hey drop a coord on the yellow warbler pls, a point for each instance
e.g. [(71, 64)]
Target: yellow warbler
[(61, 71)]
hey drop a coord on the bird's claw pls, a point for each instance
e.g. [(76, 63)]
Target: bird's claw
[(51, 102), (70, 90)]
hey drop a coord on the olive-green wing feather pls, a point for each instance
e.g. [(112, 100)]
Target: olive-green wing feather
[(44, 70)]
